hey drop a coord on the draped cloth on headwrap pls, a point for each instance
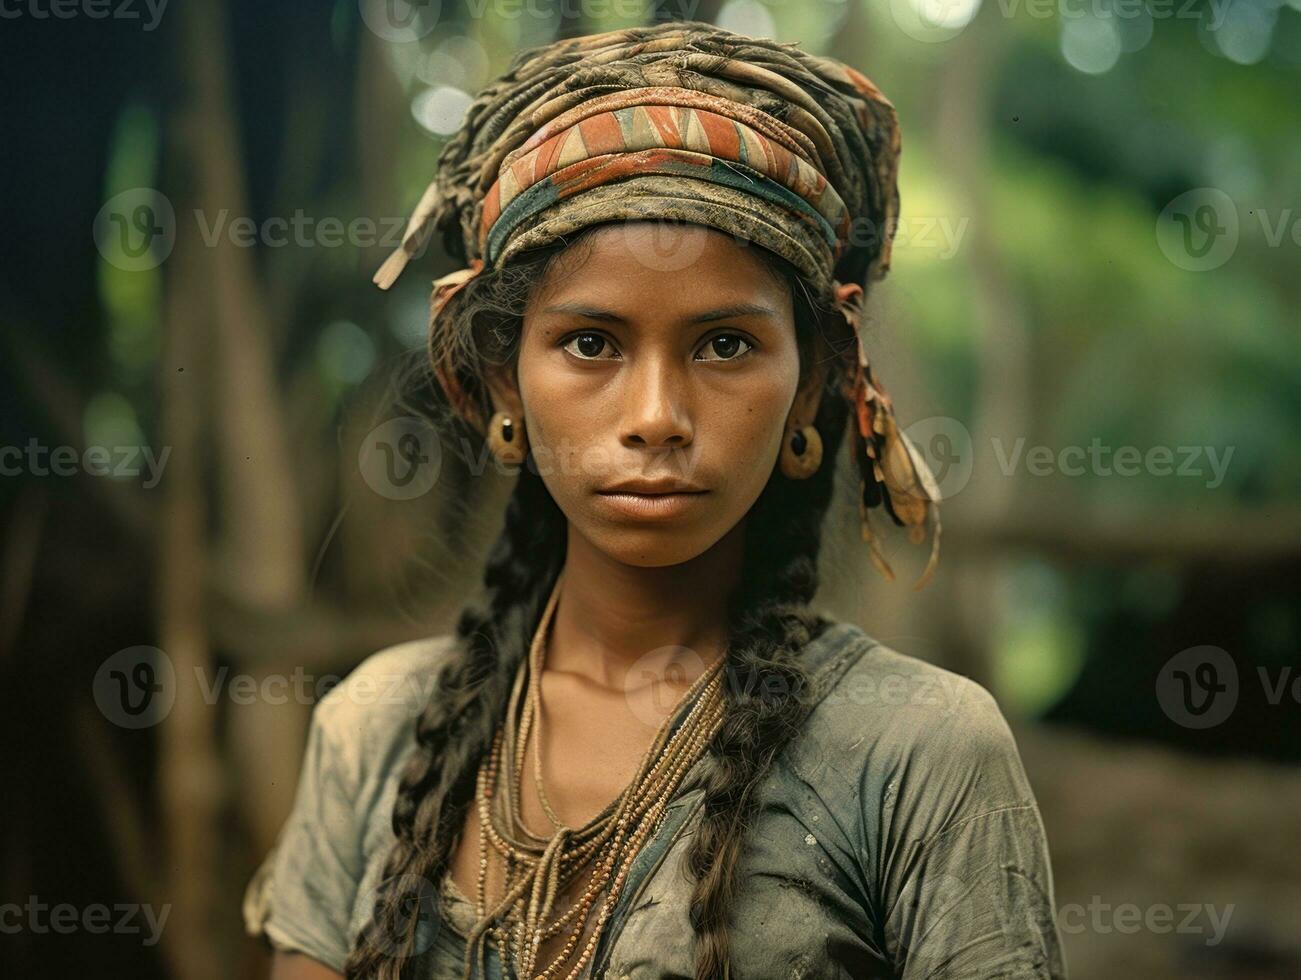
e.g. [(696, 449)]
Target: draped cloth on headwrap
[(685, 121)]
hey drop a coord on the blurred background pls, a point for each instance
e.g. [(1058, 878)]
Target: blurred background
[(210, 437)]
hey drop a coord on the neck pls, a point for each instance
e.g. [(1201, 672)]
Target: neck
[(610, 615)]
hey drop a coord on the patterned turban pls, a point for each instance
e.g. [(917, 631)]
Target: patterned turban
[(685, 121)]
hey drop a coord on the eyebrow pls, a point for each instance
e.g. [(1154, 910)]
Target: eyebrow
[(719, 313)]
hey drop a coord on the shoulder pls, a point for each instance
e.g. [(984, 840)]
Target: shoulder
[(365, 720), (895, 695), (914, 777), (889, 722), (332, 846)]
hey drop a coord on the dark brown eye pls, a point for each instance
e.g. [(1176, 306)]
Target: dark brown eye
[(588, 345), (725, 347)]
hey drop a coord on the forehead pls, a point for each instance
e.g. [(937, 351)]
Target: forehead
[(669, 264)]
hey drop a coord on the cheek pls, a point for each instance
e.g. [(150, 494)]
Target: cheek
[(564, 430), (745, 430), (550, 406)]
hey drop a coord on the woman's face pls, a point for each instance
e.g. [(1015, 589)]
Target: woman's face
[(638, 373)]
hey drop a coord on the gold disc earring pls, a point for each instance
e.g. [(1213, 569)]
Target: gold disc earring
[(507, 440), (801, 452)]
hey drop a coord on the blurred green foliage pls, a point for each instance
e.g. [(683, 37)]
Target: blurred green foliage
[(1094, 118)]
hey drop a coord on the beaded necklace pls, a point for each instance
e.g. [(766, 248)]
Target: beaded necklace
[(538, 868)]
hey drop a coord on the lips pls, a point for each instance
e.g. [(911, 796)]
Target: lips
[(665, 485), (652, 499), (650, 506)]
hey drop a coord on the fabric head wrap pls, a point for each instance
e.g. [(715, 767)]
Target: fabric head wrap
[(685, 121)]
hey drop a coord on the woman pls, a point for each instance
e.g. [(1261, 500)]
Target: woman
[(642, 754)]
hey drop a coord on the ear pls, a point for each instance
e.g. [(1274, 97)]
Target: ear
[(503, 390), (809, 396)]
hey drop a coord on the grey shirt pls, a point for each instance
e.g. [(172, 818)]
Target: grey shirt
[(897, 835)]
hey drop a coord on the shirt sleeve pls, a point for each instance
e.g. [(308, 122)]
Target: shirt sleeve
[(970, 891), (301, 898)]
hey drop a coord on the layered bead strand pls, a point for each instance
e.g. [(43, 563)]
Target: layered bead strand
[(536, 869)]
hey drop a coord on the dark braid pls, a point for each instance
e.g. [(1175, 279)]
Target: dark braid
[(457, 725), (769, 623)]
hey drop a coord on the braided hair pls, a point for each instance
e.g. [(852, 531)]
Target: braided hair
[(768, 620)]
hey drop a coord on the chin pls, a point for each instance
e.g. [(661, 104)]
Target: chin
[(657, 547)]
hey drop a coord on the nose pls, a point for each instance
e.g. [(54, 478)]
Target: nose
[(656, 413)]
